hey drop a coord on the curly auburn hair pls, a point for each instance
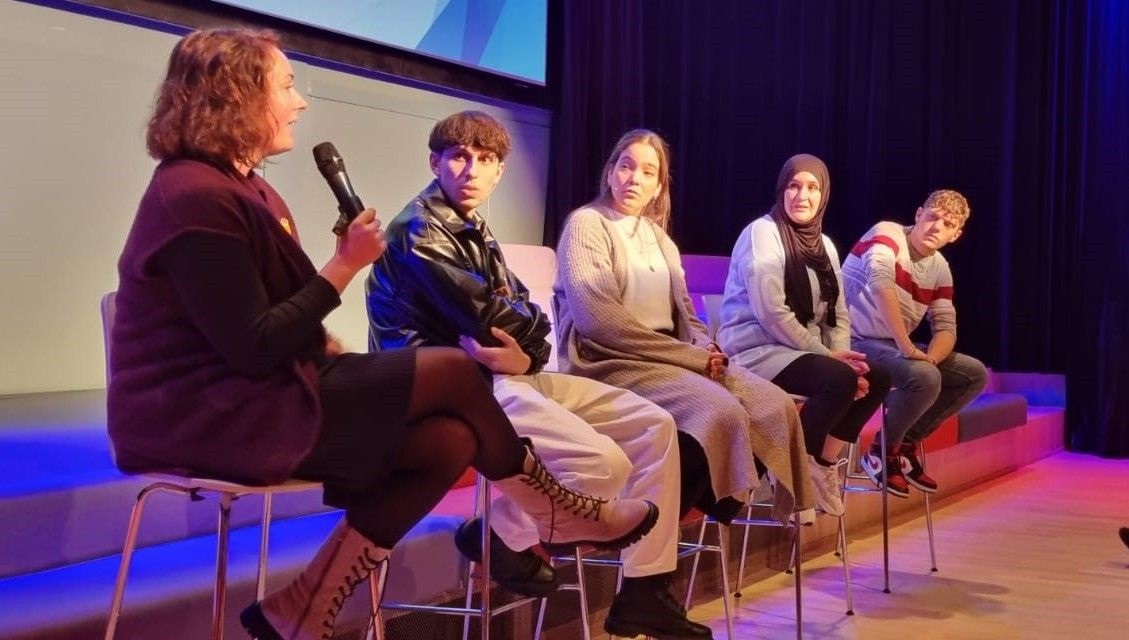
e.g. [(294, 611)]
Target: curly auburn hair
[(470, 129), (212, 103), (658, 210)]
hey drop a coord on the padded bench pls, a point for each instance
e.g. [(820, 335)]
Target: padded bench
[(991, 413)]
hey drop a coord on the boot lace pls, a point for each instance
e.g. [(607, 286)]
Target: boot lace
[(362, 566), (562, 497)]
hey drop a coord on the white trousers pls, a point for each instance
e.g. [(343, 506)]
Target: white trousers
[(600, 440)]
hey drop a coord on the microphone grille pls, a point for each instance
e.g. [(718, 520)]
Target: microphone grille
[(326, 157)]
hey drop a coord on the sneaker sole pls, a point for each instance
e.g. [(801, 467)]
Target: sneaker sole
[(806, 517), (919, 486), (631, 537), (875, 477)]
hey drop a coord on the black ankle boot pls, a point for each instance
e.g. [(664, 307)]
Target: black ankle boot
[(644, 606), (522, 572)]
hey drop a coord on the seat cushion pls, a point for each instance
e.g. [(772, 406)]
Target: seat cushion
[(991, 413)]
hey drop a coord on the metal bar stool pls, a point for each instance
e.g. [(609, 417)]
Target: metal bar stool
[(485, 611), (794, 565), (795, 562), (855, 474), (685, 549), (195, 489)]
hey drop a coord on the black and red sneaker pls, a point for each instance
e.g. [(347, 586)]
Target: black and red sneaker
[(871, 463), (913, 470)]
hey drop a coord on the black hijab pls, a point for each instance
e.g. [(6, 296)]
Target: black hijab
[(803, 244)]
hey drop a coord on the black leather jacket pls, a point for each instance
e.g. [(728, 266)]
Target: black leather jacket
[(443, 276)]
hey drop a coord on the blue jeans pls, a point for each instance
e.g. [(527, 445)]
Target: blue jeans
[(922, 395)]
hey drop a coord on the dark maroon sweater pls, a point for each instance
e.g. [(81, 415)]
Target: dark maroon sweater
[(217, 331)]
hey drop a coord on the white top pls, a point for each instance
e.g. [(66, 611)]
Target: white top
[(647, 290), (757, 328)]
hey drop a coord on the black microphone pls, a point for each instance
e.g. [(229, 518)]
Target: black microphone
[(332, 168)]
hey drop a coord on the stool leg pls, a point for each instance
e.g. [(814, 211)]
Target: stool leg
[(845, 556), (469, 597), (582, 593), (376, 581), (694, 565), (929, 518), (481, 510), (885, 509), (127, 556), (744, 549), (540, 618), (220, 593), (264, 543), (722, 551), (796, 562)]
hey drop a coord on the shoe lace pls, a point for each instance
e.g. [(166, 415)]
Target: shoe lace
[(362, 566), (578, 503), (831, 478), (561, 496)]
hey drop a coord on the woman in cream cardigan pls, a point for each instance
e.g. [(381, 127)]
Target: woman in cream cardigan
[(625, 318)]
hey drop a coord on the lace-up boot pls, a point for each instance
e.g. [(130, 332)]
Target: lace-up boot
[(307, 608), (567, 517)]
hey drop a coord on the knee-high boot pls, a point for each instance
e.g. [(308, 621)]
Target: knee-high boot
[(307, 608), (565, 517)]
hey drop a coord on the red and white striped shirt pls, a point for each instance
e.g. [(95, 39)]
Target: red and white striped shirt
[(881, 260)]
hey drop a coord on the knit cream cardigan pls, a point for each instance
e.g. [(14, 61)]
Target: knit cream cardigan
[(739, 416)]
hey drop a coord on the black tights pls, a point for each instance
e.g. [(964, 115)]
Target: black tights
[(831, 408), (454, 422)]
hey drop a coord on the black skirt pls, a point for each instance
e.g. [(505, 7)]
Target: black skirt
[(364, 399)]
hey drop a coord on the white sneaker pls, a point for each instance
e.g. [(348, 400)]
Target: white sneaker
[(828, 486), (805, 517)]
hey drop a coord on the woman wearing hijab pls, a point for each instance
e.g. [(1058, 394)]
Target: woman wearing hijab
[(783, 317)]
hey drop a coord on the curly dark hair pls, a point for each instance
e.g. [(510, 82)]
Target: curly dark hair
[(212, 103), (472, 129)]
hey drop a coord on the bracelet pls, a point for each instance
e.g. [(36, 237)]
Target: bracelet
[(928, 358)]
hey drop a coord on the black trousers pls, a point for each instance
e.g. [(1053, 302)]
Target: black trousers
[(831, 409)]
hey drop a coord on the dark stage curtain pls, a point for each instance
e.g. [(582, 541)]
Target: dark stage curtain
[(1019, 104)]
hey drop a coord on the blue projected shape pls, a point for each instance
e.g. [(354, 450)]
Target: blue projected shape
[(512, 41), (502, 36)]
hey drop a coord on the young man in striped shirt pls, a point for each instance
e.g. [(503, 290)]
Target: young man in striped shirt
[(894, 277)]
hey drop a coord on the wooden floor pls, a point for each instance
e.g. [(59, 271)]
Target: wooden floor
[(1034, 554)]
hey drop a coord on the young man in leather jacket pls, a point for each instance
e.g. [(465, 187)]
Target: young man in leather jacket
[(443, 281)]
